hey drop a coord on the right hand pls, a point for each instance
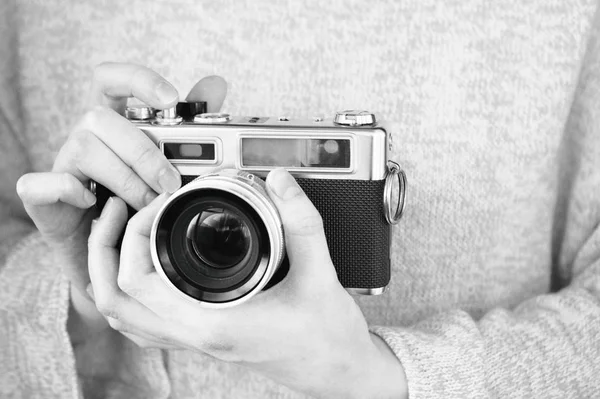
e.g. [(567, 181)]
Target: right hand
[(107, 148)]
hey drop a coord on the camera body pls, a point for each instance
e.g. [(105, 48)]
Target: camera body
[(341, 163)]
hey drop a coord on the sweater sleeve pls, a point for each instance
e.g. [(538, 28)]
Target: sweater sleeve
[(14, 223), (34, 300), (548, 346), (37, 357)]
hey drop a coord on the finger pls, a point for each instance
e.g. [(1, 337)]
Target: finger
[(38, 189), (103, 264), (211, 89), (103, 257), (114, 82), (86, 157), (137, 275), (306, 245), (136, 262), (134, 147)]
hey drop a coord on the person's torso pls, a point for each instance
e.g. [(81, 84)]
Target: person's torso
[(478, 94)]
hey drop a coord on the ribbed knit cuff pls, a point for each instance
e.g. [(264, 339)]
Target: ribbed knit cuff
[(12, 232), (34, 305), (436, 365), (37, 351)]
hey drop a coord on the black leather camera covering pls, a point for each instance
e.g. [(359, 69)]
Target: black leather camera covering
[(357, 233)]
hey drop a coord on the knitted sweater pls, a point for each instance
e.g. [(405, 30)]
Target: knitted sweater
[(495, 105)]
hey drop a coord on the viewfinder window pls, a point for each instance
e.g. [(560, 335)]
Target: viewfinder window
[(296, 153), (189, 151)]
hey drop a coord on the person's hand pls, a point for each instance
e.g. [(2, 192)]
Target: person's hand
[(105, 147), (305, 332)]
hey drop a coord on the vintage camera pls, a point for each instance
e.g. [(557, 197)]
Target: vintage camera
[(219, 239)]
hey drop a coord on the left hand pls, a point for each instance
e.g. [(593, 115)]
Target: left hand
[(306, 332)]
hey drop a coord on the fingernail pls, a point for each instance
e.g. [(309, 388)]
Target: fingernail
[(283, 184), (107, 207), (90, 290), (89, 198), (165, 92), (169, 180)]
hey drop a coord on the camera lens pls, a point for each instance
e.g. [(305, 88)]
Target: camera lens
[(214, 242), (219, 237)]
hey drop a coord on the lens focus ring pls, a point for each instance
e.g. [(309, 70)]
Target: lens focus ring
[(219, 239)]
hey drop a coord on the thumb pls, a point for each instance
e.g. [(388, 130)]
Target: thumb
[(306, 245), (211, 89)]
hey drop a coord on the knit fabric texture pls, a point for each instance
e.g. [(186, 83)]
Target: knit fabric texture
[(495, 109)]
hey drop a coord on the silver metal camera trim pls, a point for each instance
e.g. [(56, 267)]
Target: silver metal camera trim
[(205, 140), (304, 170), (245, 188), (366, 291), (210, 118), (139, 112), (369, 156), (352, 117)]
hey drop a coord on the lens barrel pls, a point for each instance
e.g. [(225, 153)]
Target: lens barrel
[(219, 239)]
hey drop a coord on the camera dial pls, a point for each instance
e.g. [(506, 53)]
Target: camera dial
[(354, 118), (139, 112), (168, 117), (214, 117)]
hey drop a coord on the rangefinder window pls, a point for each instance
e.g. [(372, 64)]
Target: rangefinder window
[(189, 151), (296, 153)]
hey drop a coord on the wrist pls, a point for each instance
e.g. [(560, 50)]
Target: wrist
[(376, 373), (388, 373), (83, 320)]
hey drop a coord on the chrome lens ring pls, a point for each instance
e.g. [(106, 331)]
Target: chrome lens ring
[(252, 191), (394, 214)]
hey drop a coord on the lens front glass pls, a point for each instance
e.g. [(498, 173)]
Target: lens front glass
[(212, 245), (219, 237)]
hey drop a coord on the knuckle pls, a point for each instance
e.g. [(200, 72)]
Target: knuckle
[(107, 309), (124, 282), (135, 223), (129, 183), (147, 155), (69, 183), (141, 74), (217, 341), (79, 144), (116, 324), (128, 285), (220, 348), (94, 116), (167, 340)]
